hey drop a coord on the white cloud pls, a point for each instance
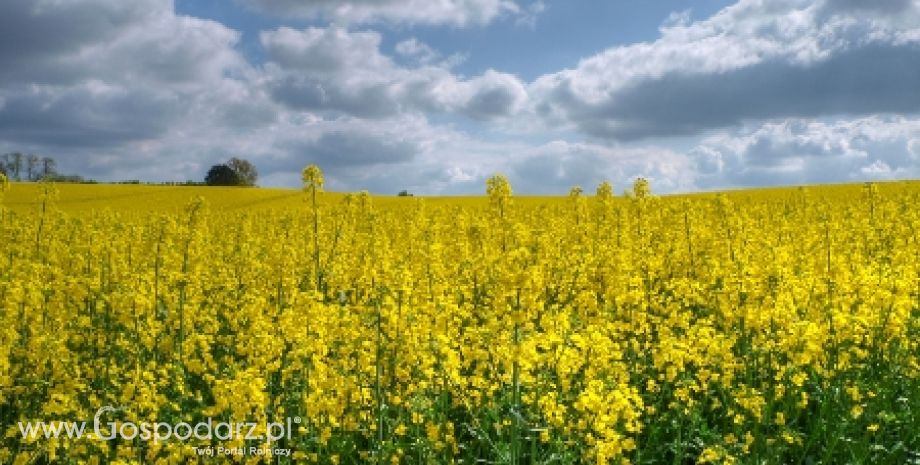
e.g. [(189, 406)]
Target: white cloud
[(416, 50), (528, 16), (676, 19), (556, 166), (144, 42), (913, 148), (332, 70), (805, 151)]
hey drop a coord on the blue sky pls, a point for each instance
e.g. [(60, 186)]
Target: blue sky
[(434, 97)]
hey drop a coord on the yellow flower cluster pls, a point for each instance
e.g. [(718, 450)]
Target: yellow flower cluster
[(771, 326)]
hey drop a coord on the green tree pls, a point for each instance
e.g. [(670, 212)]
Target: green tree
[(222, 175)]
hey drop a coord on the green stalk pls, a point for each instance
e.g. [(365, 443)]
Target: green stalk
[(319, 279)]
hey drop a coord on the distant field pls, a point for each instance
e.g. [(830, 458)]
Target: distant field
[(769, 326), (23, 197), (74, 198)]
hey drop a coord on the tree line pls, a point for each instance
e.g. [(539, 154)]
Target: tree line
[(27, 167)]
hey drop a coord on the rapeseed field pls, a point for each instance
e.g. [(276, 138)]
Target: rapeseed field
[(751, 327)]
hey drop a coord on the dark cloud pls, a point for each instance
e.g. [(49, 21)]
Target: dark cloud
[(355, 149), (352, 160), (374, 100), (141, 42), (38, 36), (493, 95), (84, 117), (342, 151), (451, 12), (749, 62), (325, 51), (868, 80), (490, 103), (246, 115), (554, 173), (830, 7), (389, 180)]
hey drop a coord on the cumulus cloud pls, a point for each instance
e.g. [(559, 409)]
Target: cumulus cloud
[(458, 13), (59, 43), (753, 60), (799, 151), (335, 71)]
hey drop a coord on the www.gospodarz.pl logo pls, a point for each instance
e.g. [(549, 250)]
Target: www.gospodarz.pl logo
[(207, 430)]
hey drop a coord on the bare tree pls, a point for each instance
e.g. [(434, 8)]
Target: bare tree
[(31, 166), (16, 165), (49, 167), (245, 171)]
